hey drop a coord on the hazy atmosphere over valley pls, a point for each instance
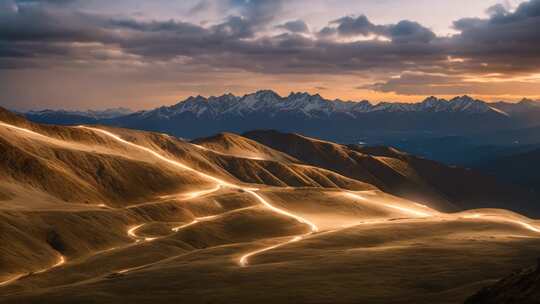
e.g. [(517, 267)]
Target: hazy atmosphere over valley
[(241, 151)]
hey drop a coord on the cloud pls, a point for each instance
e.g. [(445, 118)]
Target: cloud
[(496, 10), (351, 26), (403, 32), (200, 7), (439, 84), (409, 31), (295, 26), (8, 7), (47, 33), (504, 42)]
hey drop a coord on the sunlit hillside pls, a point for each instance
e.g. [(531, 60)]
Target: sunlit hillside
[(100, 214)]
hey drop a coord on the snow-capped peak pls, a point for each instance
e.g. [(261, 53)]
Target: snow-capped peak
[(268, 102), (468, 104)]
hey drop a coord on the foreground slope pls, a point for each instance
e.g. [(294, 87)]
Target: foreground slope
[(95, 214)]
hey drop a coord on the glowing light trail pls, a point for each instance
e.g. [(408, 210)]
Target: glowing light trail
[(176, 229), (12, 279), (300, 219), (207, 218), (194, 194), (161, 157), (220, 182), (411, 211), (24, 130), (227, 154), (245, 258), (61, 261), (131, 233)]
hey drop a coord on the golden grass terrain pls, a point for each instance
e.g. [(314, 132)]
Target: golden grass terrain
[(93, 214)]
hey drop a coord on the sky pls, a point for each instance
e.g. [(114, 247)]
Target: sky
[(96, 54)]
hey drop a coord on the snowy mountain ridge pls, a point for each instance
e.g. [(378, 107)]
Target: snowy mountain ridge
[(269, 102)]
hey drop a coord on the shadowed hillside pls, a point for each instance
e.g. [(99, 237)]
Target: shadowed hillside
[(519, 168), (521, 287), (451, 188)]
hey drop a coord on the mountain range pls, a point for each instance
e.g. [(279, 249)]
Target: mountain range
[(344, 121), (74, 117), (461, 131)]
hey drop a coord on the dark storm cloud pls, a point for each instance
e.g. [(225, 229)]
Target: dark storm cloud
[(33, 33)]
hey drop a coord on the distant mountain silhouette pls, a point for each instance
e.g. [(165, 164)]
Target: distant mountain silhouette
[(337, 120)]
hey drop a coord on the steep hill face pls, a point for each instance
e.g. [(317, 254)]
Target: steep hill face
[(451, 188)]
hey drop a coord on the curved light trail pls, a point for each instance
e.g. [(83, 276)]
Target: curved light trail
[(195, 221), (300, 219), (28, 131), (193, 194), (61, 261), (228, 154), (132, 234), (161, 157), (220, 182), (12, 279), (207, 218), (176, 229), (411, 211), (244, 259)]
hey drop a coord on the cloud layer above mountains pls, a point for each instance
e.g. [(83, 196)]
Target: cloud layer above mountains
[(245, 42)]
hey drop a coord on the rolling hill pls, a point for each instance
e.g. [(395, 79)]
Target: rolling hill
[(449, 188), (109, 215)]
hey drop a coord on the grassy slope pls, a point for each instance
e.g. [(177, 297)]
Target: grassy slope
[(52, 189)]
